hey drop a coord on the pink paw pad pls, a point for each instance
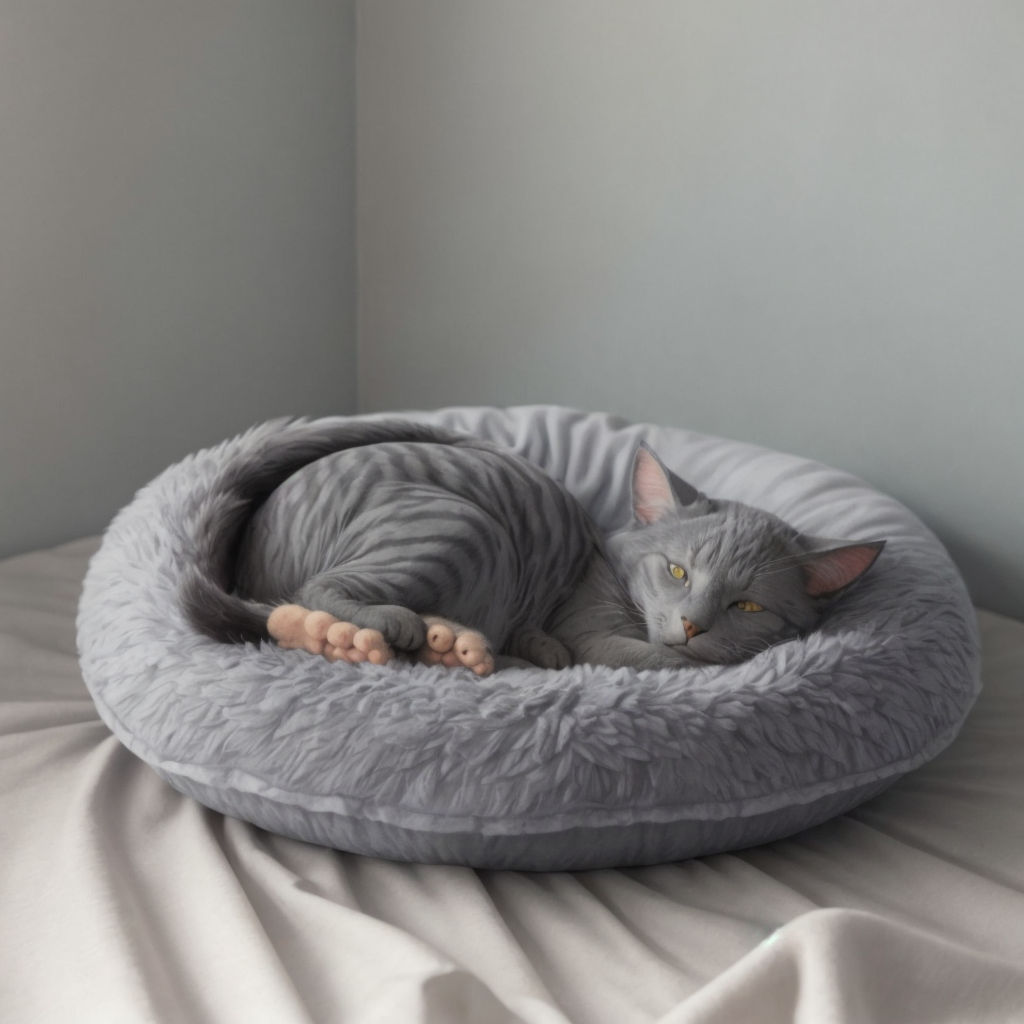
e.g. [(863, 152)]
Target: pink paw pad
[(456, 646), (298, 628)]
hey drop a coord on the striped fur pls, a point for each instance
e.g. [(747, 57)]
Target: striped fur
[(368, 514), (381, 522)]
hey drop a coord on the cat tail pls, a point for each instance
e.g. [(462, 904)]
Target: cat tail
[(220, 615), (248, 469)]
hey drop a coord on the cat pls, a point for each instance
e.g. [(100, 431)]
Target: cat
[(369, 540)]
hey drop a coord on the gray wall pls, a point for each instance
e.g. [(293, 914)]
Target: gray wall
[(793, 223), (177, 256)]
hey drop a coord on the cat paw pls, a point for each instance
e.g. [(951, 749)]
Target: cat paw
[(298, 628), (540, 649), (455, 646)]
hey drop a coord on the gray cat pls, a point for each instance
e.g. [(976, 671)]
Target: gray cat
[(362, 541)]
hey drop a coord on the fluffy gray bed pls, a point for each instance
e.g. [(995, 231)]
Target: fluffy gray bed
[(535, 769)]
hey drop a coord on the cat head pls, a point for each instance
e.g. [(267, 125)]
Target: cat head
[(723, 579)]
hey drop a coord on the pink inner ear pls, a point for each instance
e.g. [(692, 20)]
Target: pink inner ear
[(833, 570), (652, 492)]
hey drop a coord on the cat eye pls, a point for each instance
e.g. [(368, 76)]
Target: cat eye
[(678, 572), (749, 606)]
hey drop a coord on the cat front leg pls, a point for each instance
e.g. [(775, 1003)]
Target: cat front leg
[(538, 648), (599, 625), (615, 651)]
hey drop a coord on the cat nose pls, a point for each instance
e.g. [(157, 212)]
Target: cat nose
[(691, 629)]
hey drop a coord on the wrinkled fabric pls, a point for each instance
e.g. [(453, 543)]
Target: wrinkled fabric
[(124, 902), (588, 767)]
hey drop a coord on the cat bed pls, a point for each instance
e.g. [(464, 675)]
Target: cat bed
[(537, 769)]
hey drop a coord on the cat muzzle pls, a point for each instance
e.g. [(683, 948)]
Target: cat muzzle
[(692, 630)]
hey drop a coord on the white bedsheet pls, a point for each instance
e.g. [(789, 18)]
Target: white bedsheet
[(121, 901)]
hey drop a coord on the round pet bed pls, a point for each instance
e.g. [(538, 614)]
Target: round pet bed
[(534, 769)]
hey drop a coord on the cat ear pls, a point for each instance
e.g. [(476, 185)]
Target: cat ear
[(829, 571), (656, 490)]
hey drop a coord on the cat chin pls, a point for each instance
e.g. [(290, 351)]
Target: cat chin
[(686, 651), (714, 654)]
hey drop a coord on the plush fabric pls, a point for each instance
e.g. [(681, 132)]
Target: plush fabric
[(536, 769)]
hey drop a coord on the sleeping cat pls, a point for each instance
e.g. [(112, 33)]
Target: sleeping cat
[(363, 541)]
